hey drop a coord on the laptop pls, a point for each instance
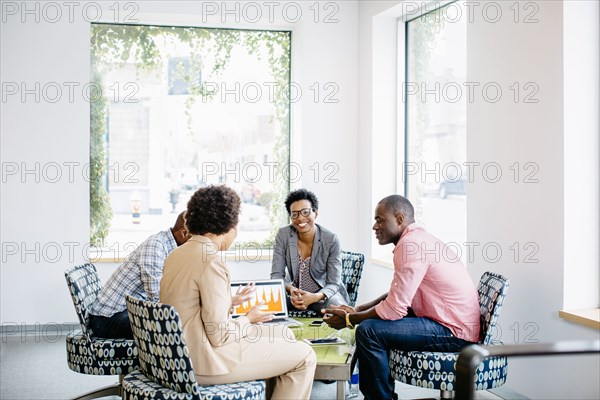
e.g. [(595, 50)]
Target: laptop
[(272, 293)]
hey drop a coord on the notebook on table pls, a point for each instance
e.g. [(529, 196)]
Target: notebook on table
[(272, 293)]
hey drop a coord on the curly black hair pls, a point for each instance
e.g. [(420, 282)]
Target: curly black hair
[(213, 209), (301, 194)]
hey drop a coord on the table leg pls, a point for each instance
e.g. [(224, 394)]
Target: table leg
[(341, 390)]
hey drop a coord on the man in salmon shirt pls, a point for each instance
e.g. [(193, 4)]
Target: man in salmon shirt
[(432, 303)]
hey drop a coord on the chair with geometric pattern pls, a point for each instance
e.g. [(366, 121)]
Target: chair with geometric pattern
[(166, 370), (352, 266), (90, 355), (437, 370)]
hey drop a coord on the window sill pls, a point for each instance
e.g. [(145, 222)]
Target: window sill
[(589, 317), (242, 255)]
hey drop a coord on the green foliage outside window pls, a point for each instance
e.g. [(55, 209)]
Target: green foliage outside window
[(112, 45), (100, 211)]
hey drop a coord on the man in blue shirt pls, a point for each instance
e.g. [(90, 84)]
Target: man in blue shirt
[(139, 276)]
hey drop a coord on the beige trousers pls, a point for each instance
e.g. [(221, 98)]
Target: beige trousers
[(271, 352)]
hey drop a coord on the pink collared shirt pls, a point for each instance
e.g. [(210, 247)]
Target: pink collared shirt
[(430, 278)]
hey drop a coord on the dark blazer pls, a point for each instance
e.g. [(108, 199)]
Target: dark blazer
[(325, 262)]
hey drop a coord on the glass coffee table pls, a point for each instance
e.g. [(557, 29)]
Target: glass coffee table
[(333, 360)]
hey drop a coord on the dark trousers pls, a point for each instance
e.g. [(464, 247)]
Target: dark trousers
[(375, 337), (115, 327)]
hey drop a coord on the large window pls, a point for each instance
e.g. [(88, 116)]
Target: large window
[(178, 108), (434, 174)]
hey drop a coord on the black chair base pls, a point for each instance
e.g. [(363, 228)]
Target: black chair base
[(112, 390)]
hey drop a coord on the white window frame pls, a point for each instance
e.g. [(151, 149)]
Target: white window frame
[(388, 118)]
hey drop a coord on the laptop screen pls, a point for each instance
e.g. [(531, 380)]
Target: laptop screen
[(269, 291)]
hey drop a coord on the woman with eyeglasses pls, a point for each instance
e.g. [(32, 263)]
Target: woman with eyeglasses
[(308, 257)]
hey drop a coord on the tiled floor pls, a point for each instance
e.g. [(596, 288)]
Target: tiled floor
[(34, 367)]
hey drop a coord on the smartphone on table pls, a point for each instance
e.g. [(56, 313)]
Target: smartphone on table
[(323, 341)]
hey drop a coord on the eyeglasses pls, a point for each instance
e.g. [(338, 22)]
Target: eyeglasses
[(305, 212)]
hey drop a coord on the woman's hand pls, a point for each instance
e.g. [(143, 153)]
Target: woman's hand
[(243, 294), (289, 288), (301, 299), (256, 315), (296, 298)]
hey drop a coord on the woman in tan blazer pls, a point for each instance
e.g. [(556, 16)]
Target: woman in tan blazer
[(196, 282)]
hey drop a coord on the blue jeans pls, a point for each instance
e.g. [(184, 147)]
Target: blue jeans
[(115, 327), (375, 337)]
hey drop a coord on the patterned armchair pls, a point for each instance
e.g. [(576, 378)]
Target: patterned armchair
[(437, 370), (90, 355), (352, 266), (166, 370)]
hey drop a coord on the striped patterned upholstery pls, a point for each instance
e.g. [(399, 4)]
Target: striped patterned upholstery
[(166, 367), (436, 370), (352, 266)]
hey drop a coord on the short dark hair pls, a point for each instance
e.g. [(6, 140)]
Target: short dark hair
[(180, 221), (213, 209), (301, 194), (399, 204)]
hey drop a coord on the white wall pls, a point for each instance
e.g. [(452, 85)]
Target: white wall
[(44, 213), (40, 216), (53, 218), (510, 212), (506, 212)]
